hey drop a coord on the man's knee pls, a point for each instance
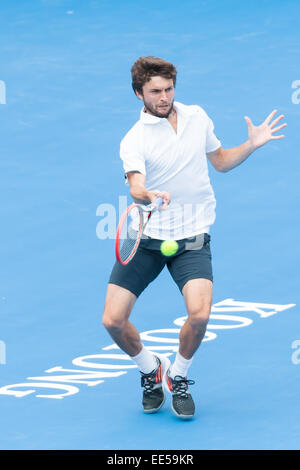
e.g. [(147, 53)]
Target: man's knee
[(199, 315), (113, 322), (118, 305)]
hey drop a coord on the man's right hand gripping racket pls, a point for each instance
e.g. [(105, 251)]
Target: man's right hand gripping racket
[(131, 228)]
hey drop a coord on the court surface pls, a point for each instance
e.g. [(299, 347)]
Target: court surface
[(66, 102)]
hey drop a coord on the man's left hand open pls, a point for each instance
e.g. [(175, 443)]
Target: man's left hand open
[(260, 135)]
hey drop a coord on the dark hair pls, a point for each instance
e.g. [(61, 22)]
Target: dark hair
[(146, 67)]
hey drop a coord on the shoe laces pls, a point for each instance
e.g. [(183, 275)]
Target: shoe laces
[(180, 385), (148, 381)]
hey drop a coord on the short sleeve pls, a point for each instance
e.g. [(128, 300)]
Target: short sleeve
[(131, 155), (212, 142)]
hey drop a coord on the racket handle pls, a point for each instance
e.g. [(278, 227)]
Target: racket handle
[(158, 202)]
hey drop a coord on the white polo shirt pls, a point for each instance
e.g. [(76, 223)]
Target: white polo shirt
[(177, 163)]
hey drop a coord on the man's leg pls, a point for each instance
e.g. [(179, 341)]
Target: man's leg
[(118, 306), (125, 284), (198, 299)]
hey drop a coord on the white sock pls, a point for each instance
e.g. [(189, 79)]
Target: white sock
[(145, 361), (180, 366)]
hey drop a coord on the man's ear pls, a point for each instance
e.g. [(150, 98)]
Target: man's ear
[(139, 95)]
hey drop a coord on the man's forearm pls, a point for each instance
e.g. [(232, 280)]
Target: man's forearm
[(230, 158), (140, 194)]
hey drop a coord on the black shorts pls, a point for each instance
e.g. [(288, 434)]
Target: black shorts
[(191, 261)]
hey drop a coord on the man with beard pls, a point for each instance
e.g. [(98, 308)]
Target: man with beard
[(165, 154)]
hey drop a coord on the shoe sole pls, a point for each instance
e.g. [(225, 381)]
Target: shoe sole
[(165, 362)]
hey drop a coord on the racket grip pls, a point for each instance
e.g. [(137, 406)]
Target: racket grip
[(158, 202)]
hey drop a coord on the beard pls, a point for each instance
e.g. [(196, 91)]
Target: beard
[(155, 112)]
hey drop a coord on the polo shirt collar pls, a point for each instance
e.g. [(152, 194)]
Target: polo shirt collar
[(184, 110)]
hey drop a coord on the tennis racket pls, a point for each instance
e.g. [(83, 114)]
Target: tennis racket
[(131, 227)]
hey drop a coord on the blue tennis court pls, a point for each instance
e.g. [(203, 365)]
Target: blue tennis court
[(65, 103)]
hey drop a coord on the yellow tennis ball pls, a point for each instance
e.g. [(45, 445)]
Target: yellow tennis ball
[(169, 247)]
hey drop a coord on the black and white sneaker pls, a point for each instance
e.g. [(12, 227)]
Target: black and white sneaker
[(182, 402), (153, 394)]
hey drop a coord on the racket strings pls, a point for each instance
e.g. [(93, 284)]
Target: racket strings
[(130, 234), (127, 248)]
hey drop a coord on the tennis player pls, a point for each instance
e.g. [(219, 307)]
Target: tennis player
[(165, 154)]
